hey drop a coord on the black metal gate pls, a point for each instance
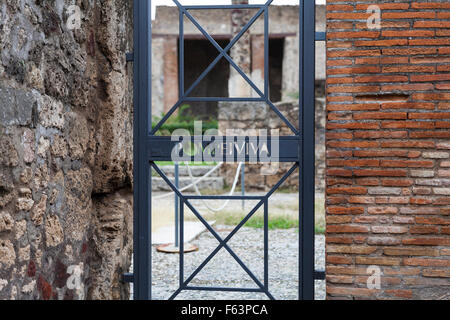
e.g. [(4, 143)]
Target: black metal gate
[(148, 148)]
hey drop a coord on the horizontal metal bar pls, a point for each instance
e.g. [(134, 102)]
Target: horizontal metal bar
[(128, 277), (321, 36), (225, 36), (218, 99), (224, 197), (223, 289), (234, 6), (319, 275), (159, 148)]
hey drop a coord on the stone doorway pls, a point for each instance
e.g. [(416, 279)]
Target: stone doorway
[(199, 54)]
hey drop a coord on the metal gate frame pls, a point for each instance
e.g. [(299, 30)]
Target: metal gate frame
[(149, 148)]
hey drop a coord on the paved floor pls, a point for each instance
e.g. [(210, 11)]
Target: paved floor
[(222, 270), (166, 235)]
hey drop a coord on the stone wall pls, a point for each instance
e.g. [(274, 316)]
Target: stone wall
[(65, 149), (388, 150), (257, 115)]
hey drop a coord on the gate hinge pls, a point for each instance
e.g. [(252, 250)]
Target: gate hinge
[(129, 56), (128, 278), (319, 275)]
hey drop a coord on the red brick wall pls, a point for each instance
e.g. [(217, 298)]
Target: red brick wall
[(388, 148)]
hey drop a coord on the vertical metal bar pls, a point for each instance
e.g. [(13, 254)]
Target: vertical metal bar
[(142, 179), (181, 47), (243, 184), (266, 244), (266, 53), (300, 164), (181, 244), (177, 202), (307, 167)]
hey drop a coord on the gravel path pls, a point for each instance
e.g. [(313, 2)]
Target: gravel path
[(223, 271)]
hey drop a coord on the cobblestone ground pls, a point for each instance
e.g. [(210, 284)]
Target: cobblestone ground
[(223, 271)]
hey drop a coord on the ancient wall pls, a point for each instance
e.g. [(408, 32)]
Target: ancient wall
[(388, 150), (65, 149)]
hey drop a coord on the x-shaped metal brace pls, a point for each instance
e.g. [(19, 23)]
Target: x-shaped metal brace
[(184, 284), (184, 95)]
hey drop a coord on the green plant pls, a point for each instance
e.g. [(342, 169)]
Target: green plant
[(286, 220), (274, 223)]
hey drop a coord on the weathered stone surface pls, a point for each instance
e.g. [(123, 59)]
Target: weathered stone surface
[(113, 141), (25, 192), (3, 283), (7, 191), (34, 78), (59, 147), (247, 111), (20, 229), (24, 204), (65, 127), (78, 203), (25, 175), (39, 211), (6, 222), (113, 220), (41, 177), (24, 253), (8, 153), (78, 135), (7, 254), (16, 107), (28, 146), (29, 288), (112, 165), (43, 146), (240, 53), (54, 233), (51, 113)]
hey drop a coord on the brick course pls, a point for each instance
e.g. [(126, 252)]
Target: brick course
[(388, 149)]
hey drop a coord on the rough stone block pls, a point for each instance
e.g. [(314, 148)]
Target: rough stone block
[(51, 113), (16, 107), (6, 222), (7, 254), (54, 233)]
